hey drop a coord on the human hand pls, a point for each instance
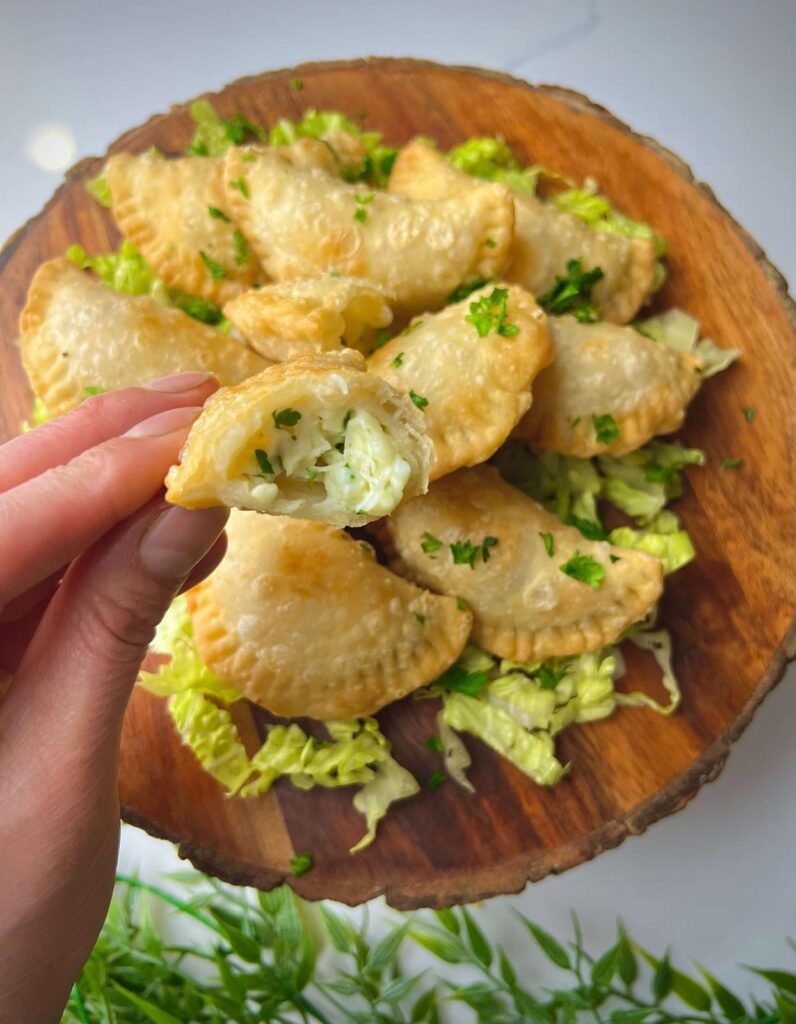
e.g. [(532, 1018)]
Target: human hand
[(90, 558)]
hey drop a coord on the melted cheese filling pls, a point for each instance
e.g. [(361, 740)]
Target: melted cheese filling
[(349, 458)]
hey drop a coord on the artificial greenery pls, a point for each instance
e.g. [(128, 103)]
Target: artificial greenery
[(259, 963)]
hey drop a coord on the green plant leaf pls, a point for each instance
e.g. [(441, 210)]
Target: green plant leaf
[(151, 1012), (631, 1016), (605, 968), (398, 989), (442, 946), (386, 949), (551, 947), (507, 972), (339, 931), (478, 942), (783, 980), (448, 920), (662, 979), (731, 1006), (786, 1008), (627, 965), (424, 1011), (247, 948)]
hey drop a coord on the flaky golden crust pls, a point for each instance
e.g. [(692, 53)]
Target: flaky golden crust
[(545, 238), (76, 333), (163, 207), (526, 608), (303, 620), (477, 388), (319, 314), (223, 434), (604, 369), (303, 222)]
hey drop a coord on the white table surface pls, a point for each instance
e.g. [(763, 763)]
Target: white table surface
[(714, 80)]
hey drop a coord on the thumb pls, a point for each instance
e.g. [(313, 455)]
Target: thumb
[(74, 681)]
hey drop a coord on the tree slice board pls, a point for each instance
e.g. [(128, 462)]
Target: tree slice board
[(731, 612)]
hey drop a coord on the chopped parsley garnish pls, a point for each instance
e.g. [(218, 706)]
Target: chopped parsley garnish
[(241, 247), (615, 558), (585, 569), (590, 530), (361, 214), (435, 780), (264, 462), (489, 314), (411, 327), (398, 360), (285, 418), (605, 428), (347, 418), (550, 677), (215, 270), (300, 864), (547, 540), (731, 463), (750, 413), (200, 309), (490, 243), (419, 401), (296, 84), (572, 294), (434, 744), (380, 339), (240, 184), (464, 552), (461, 293), (429, 543), (461, 681), (420, 618), (93, 389), (462, 605), (217, 214)]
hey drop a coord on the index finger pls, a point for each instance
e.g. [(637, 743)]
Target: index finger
[(94, 421)]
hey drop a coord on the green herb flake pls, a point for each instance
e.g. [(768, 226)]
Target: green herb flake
[(420, 618), (464, 290), (240, 184), (429, 544), (241, 247), (360, 214), (464, 552), (380, 339), (419, 401), (398, 360), (285, 418), (462, 604), (731, 464), (435, 780), (547, 540), (215, 270), (410, 328), (589, 529), (489, 314), (264, 462), (605, 428), (93, 389), (585, 569), (217, 214), (301, 864), (550, 677), (615, 558), (572, 294), (486, 544), (459, 680), (490, 243), (749, 412), (435, 745), (296, 84)]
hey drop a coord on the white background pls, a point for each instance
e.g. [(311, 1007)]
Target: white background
[(713, 79)]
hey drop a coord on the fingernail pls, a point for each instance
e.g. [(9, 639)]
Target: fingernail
[(178, 539), (165, 422), (176, 383)]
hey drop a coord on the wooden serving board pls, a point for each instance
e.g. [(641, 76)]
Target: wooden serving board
[(731, 612)]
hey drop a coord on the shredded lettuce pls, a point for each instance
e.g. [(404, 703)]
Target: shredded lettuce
[(663, 538), (532, 752), (493, 159), (127, 271), (211, 734), (456, 756), (38, 415), (185, 669), (598, 212), (392, 782), (325, 125), (99, 189), (659, 643), (680, 331), (356, 754), (214, 134)]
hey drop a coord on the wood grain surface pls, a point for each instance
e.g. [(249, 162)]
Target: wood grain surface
[(731, 612)]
